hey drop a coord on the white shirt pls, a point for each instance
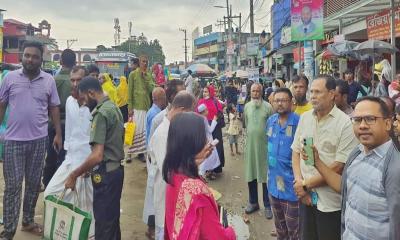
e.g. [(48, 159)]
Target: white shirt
[(334, 139), (189, 84), (77, 129), (158, 150), (157, 120)]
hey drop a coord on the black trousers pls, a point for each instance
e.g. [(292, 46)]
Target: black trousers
[(217, 134), (124, 111), (53, 159), (107, 189), (317, 225), (253, 193)]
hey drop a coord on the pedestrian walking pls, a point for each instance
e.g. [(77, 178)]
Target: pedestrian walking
[(30, 95), (140, 87), (190, 209), (106, 139), (76, 144), (281, 128), (331, 132), (122, 92), (212, 161), (256, 114), (53, 158), (183, 102), (215, 108), (234, 128), (108, 87), (189, 82)]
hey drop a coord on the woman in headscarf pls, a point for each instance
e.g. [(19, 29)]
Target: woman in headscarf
[(122, 92), (108, 87), (214, 107)]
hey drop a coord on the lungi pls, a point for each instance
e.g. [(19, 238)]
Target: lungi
[(139, 141)]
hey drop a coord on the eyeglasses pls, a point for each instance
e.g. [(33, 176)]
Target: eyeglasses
[(281, 101), (369, 120)]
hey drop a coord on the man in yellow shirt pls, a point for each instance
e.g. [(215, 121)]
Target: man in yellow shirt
[(300, 87)]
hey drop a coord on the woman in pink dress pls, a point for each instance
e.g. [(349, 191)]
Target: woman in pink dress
[(191, 212)]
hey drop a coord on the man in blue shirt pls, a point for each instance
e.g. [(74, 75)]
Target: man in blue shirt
[(159, 103), (281, 128)]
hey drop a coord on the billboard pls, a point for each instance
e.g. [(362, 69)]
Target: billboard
[(252, 46), (307, 17), (378, 25), (207, 29)]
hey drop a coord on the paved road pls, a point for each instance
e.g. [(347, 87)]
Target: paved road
[(231, 184)]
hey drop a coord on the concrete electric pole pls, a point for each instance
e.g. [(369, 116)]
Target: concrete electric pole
[(186, 48)]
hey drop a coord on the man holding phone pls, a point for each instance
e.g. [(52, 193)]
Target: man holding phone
[(330, 131)]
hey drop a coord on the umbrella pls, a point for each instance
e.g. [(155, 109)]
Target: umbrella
[(199, 69), (375, 46), (344, 48)]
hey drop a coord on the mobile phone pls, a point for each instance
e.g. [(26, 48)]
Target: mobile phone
[(215, 142), (308, 142)]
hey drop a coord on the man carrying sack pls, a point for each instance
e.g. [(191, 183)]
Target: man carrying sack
[(106, 139)]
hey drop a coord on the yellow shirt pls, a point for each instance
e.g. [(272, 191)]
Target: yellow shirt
[(299, 110)]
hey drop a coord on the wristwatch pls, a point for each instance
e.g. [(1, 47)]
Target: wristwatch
[(304, 185)]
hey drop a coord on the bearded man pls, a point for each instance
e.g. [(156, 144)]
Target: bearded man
[(256, 114)]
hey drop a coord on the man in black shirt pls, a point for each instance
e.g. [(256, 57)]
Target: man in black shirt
[(354, 87)]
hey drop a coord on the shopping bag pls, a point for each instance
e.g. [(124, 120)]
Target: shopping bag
[(130, 127), (64, 221)]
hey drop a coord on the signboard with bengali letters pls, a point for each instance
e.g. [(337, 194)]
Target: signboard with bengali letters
[(378, 25)]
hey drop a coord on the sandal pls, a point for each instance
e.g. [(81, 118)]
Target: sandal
[(33, 228)]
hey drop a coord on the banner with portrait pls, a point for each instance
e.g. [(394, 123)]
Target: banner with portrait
[(307, 20)]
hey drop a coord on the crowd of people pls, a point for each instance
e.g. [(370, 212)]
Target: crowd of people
[(325, 153)]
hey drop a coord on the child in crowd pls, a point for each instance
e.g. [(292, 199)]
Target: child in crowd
[(212, 161), (234, 128)]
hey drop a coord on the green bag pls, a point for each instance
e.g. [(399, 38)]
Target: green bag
[(63, 220)]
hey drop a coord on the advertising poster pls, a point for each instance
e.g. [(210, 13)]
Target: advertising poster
[(252, 46), (307, 18), (378, 25)]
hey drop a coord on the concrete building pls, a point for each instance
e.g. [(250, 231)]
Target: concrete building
[(15, 33)]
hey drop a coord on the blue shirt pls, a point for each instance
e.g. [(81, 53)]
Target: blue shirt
[(280, 173), (153, 111)]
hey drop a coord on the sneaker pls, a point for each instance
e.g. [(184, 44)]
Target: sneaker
[(268, 213), (251, 208)]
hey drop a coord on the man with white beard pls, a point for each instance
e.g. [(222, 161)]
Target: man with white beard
[(256, 114)]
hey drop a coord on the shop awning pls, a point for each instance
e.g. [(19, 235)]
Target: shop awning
[(355, 13)]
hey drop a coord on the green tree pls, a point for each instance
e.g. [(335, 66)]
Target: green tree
[(141, 46)]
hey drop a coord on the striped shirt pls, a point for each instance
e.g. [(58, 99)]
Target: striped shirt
[(367, 212)]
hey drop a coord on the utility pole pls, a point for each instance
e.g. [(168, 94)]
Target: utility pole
[(70, 42), (251, 17), (184, 31), (229, 40)]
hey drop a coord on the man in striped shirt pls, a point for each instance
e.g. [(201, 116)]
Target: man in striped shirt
[(370, 181)]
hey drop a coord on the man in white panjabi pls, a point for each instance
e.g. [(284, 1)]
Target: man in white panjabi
[(77, 136), (183, 102)]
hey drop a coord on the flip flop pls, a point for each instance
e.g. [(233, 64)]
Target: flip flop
[(33, 228)]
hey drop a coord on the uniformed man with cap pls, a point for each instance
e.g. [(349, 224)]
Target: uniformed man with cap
[(104, 162)]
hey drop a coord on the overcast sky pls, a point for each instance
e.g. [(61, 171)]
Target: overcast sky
[(91, 21)]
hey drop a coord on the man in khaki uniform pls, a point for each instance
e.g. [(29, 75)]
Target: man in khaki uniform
[(106, 139)]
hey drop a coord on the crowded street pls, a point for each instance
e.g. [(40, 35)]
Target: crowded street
[(231, 187), (200, 120)]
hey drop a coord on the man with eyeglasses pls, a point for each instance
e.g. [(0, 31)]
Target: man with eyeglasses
[(370, 181), (281, 128), (331, 132)]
